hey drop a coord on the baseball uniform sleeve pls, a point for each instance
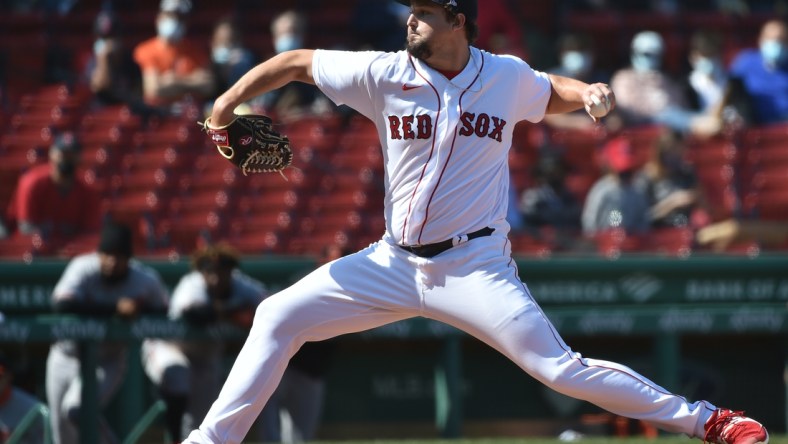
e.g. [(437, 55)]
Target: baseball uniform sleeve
[(533, 88), (72, 284), (343, 76), (190, 292)]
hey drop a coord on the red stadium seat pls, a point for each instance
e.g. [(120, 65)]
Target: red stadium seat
[(670, 241), (612, 243), (524, 244)]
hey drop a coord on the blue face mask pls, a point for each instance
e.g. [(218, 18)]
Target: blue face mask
[(98, 46), (773, 52), (170, 29), (576, 62), (287, 42), (646, 62), (221, 54), (704, 65)]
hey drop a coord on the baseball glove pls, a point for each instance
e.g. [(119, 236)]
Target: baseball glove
[(251, 144)]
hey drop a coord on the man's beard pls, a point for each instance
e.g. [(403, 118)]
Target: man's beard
[(418, 49)]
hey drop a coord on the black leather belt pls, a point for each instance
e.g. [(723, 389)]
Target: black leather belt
[(432, 250)]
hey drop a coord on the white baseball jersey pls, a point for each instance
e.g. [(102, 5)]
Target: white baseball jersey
[(446, 141), (445, 147)]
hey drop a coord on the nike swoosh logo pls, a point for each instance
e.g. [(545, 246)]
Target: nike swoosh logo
[(407, 87)]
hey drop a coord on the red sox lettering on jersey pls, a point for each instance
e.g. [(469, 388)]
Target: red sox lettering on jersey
[(420, 127)]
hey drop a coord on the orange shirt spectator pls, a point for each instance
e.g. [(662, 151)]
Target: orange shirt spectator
[(172, 66)]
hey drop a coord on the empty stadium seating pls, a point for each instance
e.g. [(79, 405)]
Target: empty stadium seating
[(163, 177)]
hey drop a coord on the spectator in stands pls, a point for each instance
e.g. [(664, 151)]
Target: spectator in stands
[(15, 405), (549, 203), (708, 78), (499, 30), (230, 59), (111, 72), (661, 6), (293, 413), (513, 215), (173, 67), (296, 99), (576, 55), (577, 60), (379, 26), (613, 201), (763, 74), (645, 94), (51, 200), (188, 374), (767, 234), (707, 85), (671, 185), (106, 283)]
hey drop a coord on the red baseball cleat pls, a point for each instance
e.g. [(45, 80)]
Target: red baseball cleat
[(730, 427)]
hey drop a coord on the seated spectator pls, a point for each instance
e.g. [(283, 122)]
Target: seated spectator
[(577, 60), (513, 215), (173, 67), (576, 57), (708, 86), (15, 404), (720, 236), (296, 99), (51, 200), (708, 78), (763, 74), (188, 373), (111, 72), (549, 202), (645, 94), (499, 30), (671, 185), (106, 283), (614, 201), (378, 25), (230, 59)]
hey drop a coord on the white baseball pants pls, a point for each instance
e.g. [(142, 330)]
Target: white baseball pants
[(473, 287)]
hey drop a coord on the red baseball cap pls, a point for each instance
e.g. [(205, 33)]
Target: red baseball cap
[(618, 155)]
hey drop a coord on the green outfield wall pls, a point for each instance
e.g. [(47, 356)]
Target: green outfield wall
[(706, 327)]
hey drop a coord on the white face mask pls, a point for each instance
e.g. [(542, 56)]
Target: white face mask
[(704, 65), (646, 62), (98, 46), (220, 54), (576, 62), (287, 42), (170, 29), (773, 52)]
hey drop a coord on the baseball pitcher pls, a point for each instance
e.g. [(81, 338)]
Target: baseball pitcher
[(444, 112)]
